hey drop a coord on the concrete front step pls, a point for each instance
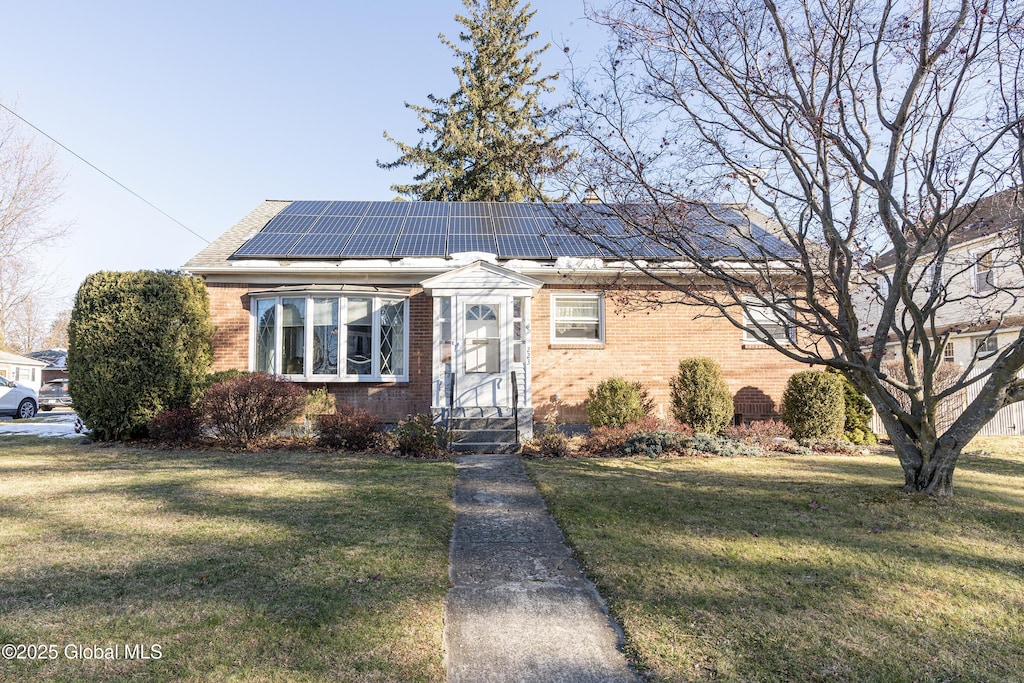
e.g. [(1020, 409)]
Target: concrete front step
[(481, 448), (484, 435), (484, 423)]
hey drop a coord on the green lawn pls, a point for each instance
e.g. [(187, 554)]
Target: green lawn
[(803, 568), (255, 567)]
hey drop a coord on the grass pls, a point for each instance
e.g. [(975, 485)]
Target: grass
[(257, 567), (803, 568)]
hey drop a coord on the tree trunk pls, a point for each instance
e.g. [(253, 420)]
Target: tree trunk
[(934, 477)]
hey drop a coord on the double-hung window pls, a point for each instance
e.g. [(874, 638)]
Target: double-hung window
[(760, 321), (986, 346), (322, 338), (984, 275), (577, 318)]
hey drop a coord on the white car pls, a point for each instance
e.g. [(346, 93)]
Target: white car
[(16, 400)]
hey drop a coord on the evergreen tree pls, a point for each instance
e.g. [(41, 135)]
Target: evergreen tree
[(488, 140)]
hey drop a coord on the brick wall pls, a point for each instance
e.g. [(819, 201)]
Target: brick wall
[(647, 345), (392, 401)]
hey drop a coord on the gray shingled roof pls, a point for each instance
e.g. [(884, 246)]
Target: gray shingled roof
[(988, 216)]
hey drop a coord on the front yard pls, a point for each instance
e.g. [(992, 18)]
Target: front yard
[(803, 568), (256, 567)]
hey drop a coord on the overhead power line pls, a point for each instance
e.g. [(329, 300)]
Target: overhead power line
[(99, 170)]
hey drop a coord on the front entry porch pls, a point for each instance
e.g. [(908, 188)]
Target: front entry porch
[(481, 382)]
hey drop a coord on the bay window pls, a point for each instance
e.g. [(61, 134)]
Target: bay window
[(323, 338)]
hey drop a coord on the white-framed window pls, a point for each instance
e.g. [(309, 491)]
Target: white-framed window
[(329, 338), (949, 352), (773, 322), (984, 273), (986, 346), (577, 318)]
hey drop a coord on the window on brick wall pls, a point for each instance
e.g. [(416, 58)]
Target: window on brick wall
[(577, 318), (332, 338), (765, 321)]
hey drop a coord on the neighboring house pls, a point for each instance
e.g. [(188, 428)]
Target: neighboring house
[(56, 363), (413, 307), (24, 371), (983, 285)]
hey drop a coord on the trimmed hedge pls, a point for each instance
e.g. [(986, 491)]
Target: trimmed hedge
[(139, 343), (813, 405), (700, 397)]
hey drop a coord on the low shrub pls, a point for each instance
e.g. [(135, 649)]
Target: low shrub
[(318, 402), (759, 431), (178, 426), (789, 447), (616, 402), (713, 444), (552, 443), (349, 428), (244, 411), (700, 396), (836, 446), (611, 440), (654, 444), (419, 437), (813, 405)]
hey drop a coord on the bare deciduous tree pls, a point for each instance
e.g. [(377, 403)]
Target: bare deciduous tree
[(29, 186), (857, 129)]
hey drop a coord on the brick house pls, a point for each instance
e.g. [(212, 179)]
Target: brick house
[(412, 307)]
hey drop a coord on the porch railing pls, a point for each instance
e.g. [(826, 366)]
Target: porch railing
[(515, 404)]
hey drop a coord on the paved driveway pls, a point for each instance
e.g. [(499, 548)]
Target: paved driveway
[(57, 424)]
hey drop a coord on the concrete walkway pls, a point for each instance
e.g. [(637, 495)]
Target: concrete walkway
[(520, 608)]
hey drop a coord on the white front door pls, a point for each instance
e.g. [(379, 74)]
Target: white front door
[(481, 363)]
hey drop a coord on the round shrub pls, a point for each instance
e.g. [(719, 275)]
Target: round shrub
[(246, 410), (349, 428), (700, 397), (813, 405), (139, 343), (419, 437), (616, 402)]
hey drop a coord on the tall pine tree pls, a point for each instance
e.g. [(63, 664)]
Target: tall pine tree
[(487, 141)]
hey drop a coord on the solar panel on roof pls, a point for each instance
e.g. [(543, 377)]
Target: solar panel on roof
[(304, 209), (379, 225), (371, 245), (470, 209), (469, 225), (322, 244), (420, 244), (425, 225), (570, 245), (268, 244), (522, 246), (346, 208), (292, 223), (517, 226), (335, 224), (429, 208), (388, 209), (459, 243), (511, 230)]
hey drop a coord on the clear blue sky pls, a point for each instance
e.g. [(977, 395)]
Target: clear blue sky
[(207, 108)]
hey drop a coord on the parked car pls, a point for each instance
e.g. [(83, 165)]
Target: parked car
[(54, 395), (16, 400)]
